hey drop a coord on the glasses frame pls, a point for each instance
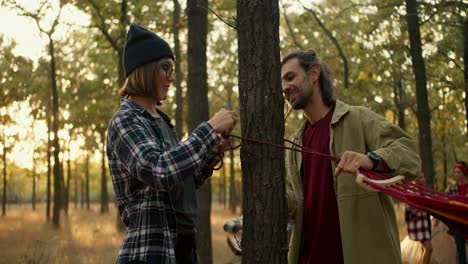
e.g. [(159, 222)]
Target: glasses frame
[(168, 68)]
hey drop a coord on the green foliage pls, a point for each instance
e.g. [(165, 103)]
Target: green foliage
[(372, 34)]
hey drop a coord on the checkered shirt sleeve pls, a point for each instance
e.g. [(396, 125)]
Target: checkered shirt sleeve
[(418, 223)]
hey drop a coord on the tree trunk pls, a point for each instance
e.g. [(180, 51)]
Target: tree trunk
[(4, 174), (49, 166), (222, 191), (83, 193), (465, 60), (75, 181), (67, 186), (232, 185), (197, 93), (423, 113), (179, 122), (87, 180), (55, 141), (398, 90), (233, 198), (261, 109), (33, 199), (104, 193)]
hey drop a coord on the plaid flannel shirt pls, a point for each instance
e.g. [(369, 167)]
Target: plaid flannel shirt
[(418, 224), (143, 174)]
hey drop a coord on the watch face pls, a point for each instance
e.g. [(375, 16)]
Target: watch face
[(373, 156)]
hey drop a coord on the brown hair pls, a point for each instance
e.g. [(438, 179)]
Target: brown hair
[(307, 59), (142, 81)]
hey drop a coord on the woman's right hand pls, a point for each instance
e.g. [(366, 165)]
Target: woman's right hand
[(223, 121)]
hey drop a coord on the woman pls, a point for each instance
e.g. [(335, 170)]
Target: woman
[(154, 175), (460, 188)]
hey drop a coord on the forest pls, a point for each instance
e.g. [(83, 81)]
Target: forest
[(406, 60)]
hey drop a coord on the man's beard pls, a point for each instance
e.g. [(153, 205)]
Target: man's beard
[(302, 99)]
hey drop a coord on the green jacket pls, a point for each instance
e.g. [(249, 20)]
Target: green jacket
[(368, 224)]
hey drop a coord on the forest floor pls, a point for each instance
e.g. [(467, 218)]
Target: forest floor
[(85, 236)]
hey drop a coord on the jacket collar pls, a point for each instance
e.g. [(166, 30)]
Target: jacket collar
[(341, 109)]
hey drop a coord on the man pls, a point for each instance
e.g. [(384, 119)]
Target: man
[(335, 214)]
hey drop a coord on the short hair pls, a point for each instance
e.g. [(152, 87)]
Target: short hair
[(142, 82), (309, 58)]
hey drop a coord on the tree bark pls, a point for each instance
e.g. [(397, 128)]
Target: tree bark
[(261, 109), (33, 198), (104, 192), (55, 141), (49, 166), (197, 93), (4, 154), (87, 180), (423, 113), (465, 60), (179, 120)]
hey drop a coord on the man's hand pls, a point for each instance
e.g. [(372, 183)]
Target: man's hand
[(350, 161)]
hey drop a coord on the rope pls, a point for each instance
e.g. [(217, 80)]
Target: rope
[(450, 209)]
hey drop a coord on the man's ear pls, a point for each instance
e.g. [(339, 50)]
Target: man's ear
[(314, 73)]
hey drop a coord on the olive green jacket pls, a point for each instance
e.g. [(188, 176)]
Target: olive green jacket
[(368, 224)]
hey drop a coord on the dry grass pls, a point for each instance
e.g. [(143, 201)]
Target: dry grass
[(84, 237)]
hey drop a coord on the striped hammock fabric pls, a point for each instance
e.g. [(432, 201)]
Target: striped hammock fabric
[(450, 209)]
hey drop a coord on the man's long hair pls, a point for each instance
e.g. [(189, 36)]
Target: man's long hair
[(307, 59)]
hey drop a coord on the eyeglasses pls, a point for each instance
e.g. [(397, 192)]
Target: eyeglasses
[(168, 69)]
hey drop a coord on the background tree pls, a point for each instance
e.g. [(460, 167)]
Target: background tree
[(197, 95), (423, 113)]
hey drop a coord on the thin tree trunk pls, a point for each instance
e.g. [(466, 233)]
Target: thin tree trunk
[(232, 185), (87, 180), (104, 193), (178, 82), (67, 187), (423, 113), (4, 174), (55, 141), (233, 197), (465, 60), (222, 191), (197, 93), (261, 111), (75, 181), (399, 98), (33, 199), (83, 193), (49, 166)]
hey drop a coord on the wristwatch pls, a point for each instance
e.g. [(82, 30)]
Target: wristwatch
[(374, 158)]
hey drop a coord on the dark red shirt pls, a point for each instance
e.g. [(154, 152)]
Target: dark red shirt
[(321, 227)]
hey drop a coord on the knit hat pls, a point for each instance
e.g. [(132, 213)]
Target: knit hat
[(143, 46)]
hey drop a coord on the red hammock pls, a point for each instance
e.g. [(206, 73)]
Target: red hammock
[(451, 209)]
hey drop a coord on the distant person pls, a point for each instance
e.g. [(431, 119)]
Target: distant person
[(336, 219), (154, 175), (460, 188), (419, 226)]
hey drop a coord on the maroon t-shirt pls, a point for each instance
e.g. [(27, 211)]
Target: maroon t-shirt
[(321, 228)]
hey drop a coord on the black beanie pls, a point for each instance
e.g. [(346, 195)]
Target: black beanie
[(143, 46)]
